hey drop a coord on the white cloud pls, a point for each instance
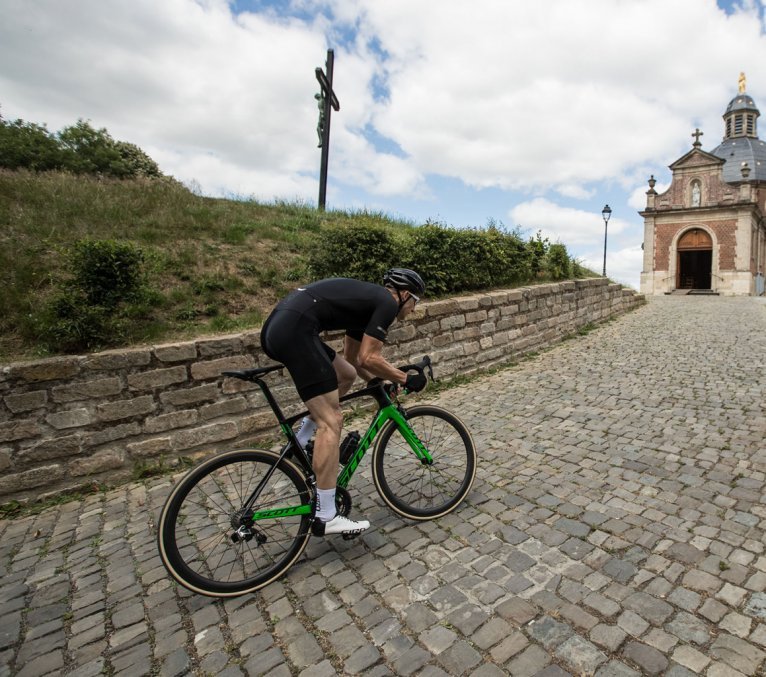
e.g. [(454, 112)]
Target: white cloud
[(571, 226), (622, 265), (551, 96)]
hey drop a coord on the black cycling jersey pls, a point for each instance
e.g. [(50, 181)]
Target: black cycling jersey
[(341, 303), (291, 333)]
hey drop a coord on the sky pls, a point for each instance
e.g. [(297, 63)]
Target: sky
[(533, 115)]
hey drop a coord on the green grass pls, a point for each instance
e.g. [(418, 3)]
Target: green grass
[(214, 264)]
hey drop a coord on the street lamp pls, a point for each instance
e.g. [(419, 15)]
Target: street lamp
[(606, 212)]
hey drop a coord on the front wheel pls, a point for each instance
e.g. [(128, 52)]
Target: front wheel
[(414, 489), (210, 547)]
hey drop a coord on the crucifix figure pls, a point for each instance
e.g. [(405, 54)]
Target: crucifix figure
[(697, 134), (326, 101)]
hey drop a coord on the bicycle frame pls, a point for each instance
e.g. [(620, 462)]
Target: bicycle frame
[(387, 411)]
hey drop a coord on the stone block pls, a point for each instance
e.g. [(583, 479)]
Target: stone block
[(57, 447), (477, 316), (53, 369), (234, 405), (440, 308), (29, 479), (186, 396), (117, 359), (100, 462), (256, 422), (466, 303), (74, 418), (19, 430), (114, 411), (202, 371), (222, 345), (111, 433), (176, 352), (157, 378), (215, 432), (33, 399), (175, 419), (85, 390), (5, 459), (152, 447)]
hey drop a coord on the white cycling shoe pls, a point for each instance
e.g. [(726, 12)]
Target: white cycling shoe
[(340, 525)]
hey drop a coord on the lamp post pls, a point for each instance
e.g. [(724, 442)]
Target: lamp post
[(606, 212)]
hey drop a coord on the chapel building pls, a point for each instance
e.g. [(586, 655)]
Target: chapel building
[(706, 234)]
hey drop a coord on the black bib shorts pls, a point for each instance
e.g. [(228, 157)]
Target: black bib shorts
[(290, 335)]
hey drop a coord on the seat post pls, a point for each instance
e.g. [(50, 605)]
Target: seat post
[(271, 400)]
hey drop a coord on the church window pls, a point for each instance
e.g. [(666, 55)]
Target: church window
[(728, 127), (738, 124), (750, 125)]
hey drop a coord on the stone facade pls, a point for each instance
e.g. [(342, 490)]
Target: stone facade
[(68, 422), (722, 193)]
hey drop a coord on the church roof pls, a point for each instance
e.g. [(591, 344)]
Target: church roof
[(739, 150), (741, 102), (741, 143)]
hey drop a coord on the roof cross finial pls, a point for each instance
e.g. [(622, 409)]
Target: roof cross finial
[(697, 134), (741, 83)]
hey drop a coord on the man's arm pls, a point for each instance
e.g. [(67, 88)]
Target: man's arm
[(371, 361), (351, 353)]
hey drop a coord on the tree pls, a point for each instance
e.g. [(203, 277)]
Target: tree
[(90, 151), (25, 145), (136, 162)]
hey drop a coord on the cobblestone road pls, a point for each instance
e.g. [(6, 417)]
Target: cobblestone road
[(616, 528)]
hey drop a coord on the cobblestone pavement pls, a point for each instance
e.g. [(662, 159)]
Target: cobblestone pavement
[(616, 528)]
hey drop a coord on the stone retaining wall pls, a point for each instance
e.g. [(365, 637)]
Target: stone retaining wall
[(69, 422)]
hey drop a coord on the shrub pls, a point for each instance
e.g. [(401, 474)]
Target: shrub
[(97, 305), (360, 251), (558, 263), (107, 271)]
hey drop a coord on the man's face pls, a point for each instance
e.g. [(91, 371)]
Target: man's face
[(408, 306)]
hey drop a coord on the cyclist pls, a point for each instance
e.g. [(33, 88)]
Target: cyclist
[(290, 335)]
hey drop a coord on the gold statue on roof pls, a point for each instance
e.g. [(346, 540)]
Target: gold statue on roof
[(741, 83)]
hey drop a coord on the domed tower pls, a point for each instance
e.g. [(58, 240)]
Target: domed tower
[(706, 234), (741, 144)]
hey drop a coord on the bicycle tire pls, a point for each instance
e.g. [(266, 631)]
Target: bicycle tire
[(420, 491), (195, 525)]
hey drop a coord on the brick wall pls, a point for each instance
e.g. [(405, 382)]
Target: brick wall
[(725, 233), (68, 422)]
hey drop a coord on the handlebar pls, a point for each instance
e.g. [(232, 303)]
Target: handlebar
[(422, 366)]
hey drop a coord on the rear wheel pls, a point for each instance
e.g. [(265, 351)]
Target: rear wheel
[(417, 490), (210, 548)]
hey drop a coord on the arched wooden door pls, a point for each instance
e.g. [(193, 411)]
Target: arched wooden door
[(695, 260)]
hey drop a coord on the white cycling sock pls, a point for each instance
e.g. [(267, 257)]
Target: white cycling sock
[(306, 431), (325, 504)]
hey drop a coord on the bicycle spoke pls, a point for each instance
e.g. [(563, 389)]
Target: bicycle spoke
[(203, 549), (421, 490)]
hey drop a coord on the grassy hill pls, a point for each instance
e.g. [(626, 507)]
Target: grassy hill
[(216, 264), (213, 265)]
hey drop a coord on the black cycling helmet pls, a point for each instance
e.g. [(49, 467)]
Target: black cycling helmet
[(404, 278)]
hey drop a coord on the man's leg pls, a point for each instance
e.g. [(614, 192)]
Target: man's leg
[(346, 376), (325, 410)]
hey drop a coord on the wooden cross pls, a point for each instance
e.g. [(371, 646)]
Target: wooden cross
[(327, 101), (697, 134)]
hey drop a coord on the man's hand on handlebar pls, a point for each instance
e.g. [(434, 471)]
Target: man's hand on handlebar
[(416, 382)]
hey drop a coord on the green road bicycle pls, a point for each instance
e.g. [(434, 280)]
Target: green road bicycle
[(240, 519)]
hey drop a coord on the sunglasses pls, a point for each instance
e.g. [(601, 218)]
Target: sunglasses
[(417, 298)]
